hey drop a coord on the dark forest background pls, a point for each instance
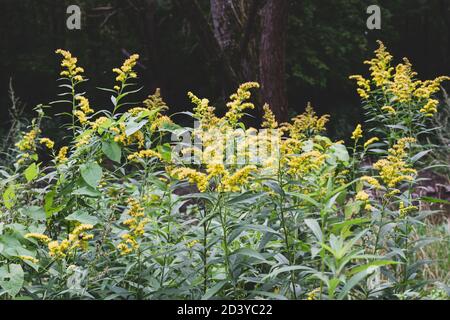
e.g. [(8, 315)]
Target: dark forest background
[(300, 50)]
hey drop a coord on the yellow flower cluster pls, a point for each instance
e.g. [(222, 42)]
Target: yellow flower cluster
[(192, 243), (313, 294), (371, 141), (29, 258), (83, 139), (136, 224), (77, 239), (305, 163), (84, 109), (403, 85), (357, 133), (306, 124), (81, 116), (237, 105), (202, 110), (269, 118), (122, 137), (99, 123), (400, 86), (47, 142), (155, 102), (362, 196), (62, 155), (84, 104), (144, 154), (403, 211), (389, 109), (425, 89), (363, 84), (160, 122), (193, 176), (70, 63), (430, 108), (234, 182), (126, 70), (393, 169), (28, 142), (38, 236), (371, 181), (380, 66)]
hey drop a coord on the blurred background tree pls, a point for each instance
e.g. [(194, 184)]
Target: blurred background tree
[(299, 50)]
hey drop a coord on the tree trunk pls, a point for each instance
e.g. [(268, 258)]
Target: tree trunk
[(233, 23), (249, 39), (272, 57)]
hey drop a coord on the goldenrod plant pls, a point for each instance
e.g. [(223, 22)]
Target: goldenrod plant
[(125, 209)]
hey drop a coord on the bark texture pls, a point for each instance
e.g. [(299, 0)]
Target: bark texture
[(272, 58)]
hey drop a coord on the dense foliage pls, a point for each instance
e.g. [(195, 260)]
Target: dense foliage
[(136, 206)]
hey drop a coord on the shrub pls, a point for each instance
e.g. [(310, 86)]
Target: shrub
[(134, 206)]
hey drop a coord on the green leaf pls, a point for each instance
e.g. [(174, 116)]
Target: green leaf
[(82, 217), (213, 290), (276, 272), (36, 213), (372, 266), (434, 200), (31, 172), (165, 151), (91, 173), (87, 191), (420, 155), (133, 127), (9, 197), (112, 150), (315, 228), (357, 278), (247, 252), (12, 281), (340, 151)]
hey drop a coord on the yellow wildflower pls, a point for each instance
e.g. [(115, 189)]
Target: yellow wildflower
[(28, 141), (371, 181), (193, 176), (192, 243), (306, 124), (144, 154), (81, 116), (313, 294), (62, 155), (269, 118), (403, 211), (236, 181), (47, 142), (29, 258), (430, 108), (70, 64), (83, 139), (357, 133), (126, 70), (389, 109), (38, 236), (363, 84), (160, 122), (128, 244), (393, 169), (84, 105), (362, 196), (237, 105), (380, 66), (370, 141)]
